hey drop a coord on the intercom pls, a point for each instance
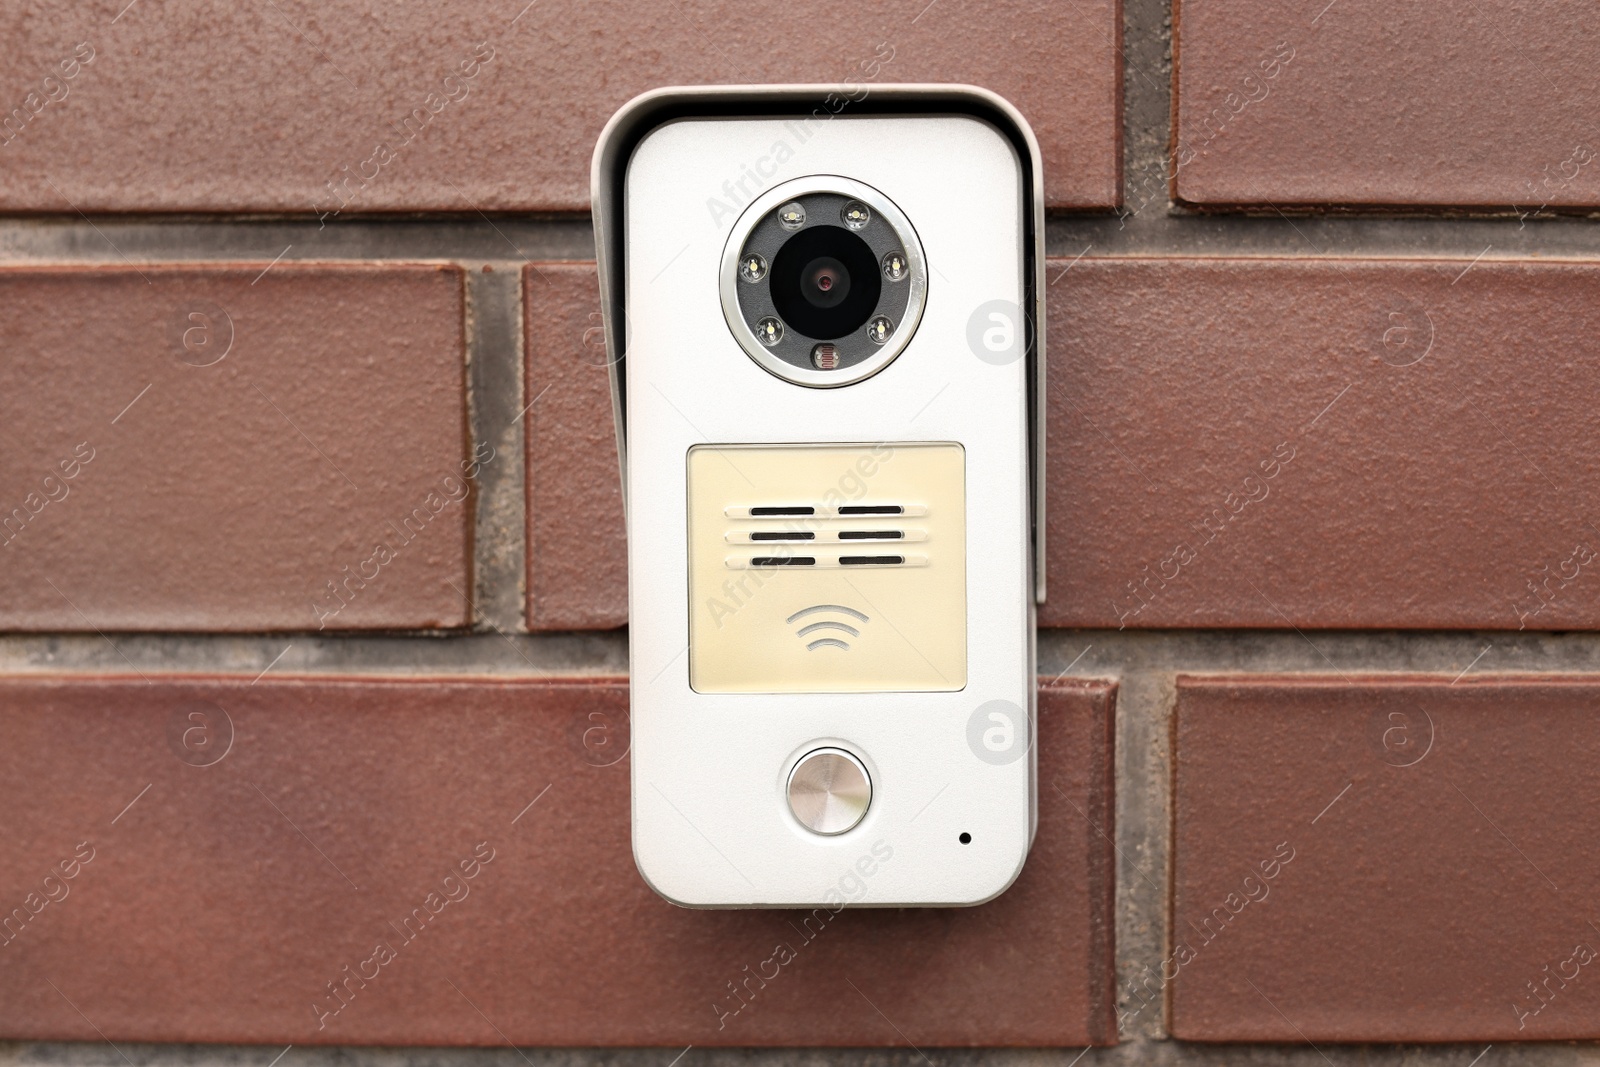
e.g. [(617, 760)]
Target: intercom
[(822, 316)]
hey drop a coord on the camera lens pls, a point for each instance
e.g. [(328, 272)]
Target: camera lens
[(825, 282)]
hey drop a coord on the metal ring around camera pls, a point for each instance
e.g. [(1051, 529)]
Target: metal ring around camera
[(917, 279)]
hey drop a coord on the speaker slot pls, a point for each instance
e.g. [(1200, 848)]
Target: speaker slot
[(779, 535), (784, 561), (871, 509), (781, 512), (871, 561), (871, 535)]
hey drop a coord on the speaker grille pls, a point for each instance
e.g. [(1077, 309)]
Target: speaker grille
[(822, 535)]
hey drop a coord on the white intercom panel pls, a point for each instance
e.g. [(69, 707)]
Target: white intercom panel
[(824, 332)]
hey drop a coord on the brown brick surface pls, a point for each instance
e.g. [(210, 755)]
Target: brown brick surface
[(1430, 850), (1372, 102), (1249, 443), (1323, 443), (577, 546), (250, 842), (206, 448), (268, 108)]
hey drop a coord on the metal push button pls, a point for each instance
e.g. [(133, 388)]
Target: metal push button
[(829, 791)]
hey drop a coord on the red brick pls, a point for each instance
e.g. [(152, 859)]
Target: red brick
[(230, 880), (227, 496), (577, 548), (1380, 103), (1432, 877), (1422, 496), (1425, 496), (256, 108)]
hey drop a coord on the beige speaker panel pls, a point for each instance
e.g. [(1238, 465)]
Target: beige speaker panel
[(827, 568)]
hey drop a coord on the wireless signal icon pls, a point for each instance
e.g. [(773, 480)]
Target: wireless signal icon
[(827, 633)]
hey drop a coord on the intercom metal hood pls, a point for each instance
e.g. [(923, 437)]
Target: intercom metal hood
[(658, 107)]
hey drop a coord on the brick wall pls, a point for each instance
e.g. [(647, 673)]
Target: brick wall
[(312, 682)]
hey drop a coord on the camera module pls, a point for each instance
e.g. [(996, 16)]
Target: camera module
[(823, 281)]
